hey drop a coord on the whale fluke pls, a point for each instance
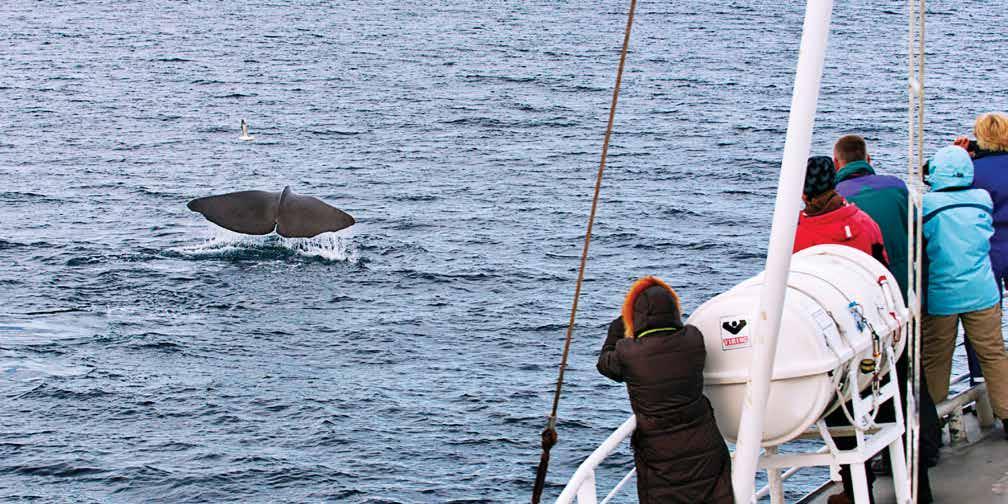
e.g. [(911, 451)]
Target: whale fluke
[(306, 216), (262, 212), (248, 212)]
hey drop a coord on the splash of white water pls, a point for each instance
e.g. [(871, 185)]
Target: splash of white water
[(337, 247)]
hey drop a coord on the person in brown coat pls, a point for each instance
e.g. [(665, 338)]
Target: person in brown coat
[(679, 452)]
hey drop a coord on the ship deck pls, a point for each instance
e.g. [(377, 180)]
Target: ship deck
[(974, 472)]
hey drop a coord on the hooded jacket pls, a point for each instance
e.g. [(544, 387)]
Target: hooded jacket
[(679, 452), (958, 225), (846, 225), (885, 199), (990, 173)]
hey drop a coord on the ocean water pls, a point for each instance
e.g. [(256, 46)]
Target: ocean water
[(146, 355)]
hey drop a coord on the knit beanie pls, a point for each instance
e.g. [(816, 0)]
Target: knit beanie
[(819, 176)]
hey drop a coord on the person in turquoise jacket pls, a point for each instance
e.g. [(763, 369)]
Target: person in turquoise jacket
[(883, 197), (958, 224)]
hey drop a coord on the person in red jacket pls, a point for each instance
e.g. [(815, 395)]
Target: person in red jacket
[(829, 218)]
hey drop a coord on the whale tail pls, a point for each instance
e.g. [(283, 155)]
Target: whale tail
[(305, 216), (261, 212)]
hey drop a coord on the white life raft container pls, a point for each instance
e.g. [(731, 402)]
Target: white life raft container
[(839, 302)]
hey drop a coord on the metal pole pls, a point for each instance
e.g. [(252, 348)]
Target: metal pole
[(915, 155), (815, 33), (775, 480)]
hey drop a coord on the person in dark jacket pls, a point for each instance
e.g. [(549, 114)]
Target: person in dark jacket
[(679, 452), (990, 172)]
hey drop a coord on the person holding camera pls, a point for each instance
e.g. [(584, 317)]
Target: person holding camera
[(679, 452), (990, 172)]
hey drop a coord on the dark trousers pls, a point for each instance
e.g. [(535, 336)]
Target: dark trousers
[(972, 361), (929, 439)]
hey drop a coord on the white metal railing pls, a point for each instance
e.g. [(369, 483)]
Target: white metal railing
[(581, 485), (914, 181), (953, 409)]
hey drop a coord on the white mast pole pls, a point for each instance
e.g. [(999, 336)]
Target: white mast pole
[(785, 219)]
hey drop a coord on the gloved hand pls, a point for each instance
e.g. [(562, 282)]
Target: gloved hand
[(615, 333)]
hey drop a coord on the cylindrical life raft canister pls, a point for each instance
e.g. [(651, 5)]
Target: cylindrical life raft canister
[(841, 307)]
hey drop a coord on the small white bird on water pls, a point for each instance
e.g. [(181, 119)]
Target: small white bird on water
[(245, 135)]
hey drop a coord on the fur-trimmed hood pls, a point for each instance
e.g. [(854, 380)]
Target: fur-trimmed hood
[(650, 304)]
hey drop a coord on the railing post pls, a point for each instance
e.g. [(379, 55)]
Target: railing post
[(984, 411), (815, 33), (774, 480), (586, 492), (582, 484), (915, 158)]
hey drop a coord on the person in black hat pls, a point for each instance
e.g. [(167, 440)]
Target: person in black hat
[(829, 218)]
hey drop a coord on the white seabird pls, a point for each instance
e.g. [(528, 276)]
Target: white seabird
[(245, 135)]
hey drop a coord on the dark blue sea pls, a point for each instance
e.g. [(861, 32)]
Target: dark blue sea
[(146, 355)]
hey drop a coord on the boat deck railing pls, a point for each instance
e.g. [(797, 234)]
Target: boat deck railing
[(582, 485), (953, 407)]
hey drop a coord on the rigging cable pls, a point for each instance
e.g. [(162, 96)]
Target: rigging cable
[(549, 434)]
